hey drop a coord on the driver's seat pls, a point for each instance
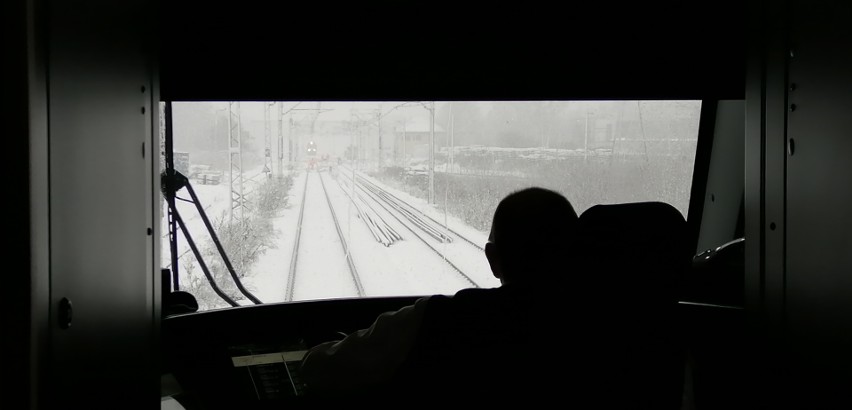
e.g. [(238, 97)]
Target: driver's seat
[(634, 255)]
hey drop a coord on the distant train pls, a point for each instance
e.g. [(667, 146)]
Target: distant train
[(312, 148)]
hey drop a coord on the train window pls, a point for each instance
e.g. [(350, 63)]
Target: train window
[(319, 200)]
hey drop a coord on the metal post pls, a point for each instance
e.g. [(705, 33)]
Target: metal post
[(267, 139), (280, 155), (379, 125), (432, 153), (290, 142), (586, 138), (452, 152), (242, 203), (235, 158), (170, 194), (404, 142)]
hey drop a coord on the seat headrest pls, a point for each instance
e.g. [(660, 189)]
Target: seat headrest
[(641, 244), (654, 219)]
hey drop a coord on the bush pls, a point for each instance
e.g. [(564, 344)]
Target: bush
[(244, 243), (483, 180), (273, 195)]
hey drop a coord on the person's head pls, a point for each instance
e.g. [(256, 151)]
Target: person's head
[(531, 233)]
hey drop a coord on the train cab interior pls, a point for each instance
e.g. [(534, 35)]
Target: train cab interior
[(704, 145)]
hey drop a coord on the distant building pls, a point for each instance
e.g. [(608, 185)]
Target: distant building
[(411, 139)]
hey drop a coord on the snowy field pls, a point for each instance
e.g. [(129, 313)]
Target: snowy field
[(416, 265)]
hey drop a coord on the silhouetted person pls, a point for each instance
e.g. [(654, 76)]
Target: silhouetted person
[(482, 344)]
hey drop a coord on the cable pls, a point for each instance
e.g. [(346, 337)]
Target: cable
[(201, 263), (219, 247)]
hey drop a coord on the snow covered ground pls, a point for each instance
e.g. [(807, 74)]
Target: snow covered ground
[(407, 267)]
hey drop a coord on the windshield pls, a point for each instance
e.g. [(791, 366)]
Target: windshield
[(318, 200)]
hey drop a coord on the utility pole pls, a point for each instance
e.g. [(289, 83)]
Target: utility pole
[(452, 153), (449, 163), (379, 126), (280, 154), (235, 157), (432, 153), (586, 139), (267, 139), (404, 142), (162, 109), (290, 141)]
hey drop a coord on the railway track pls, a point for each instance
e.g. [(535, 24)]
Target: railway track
[(413, 220), (294, 260), (421, 214), (381, 230)]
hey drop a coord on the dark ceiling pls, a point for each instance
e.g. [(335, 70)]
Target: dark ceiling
[(384, 50)]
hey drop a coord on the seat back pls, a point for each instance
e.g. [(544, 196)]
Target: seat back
[(633, 257)]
